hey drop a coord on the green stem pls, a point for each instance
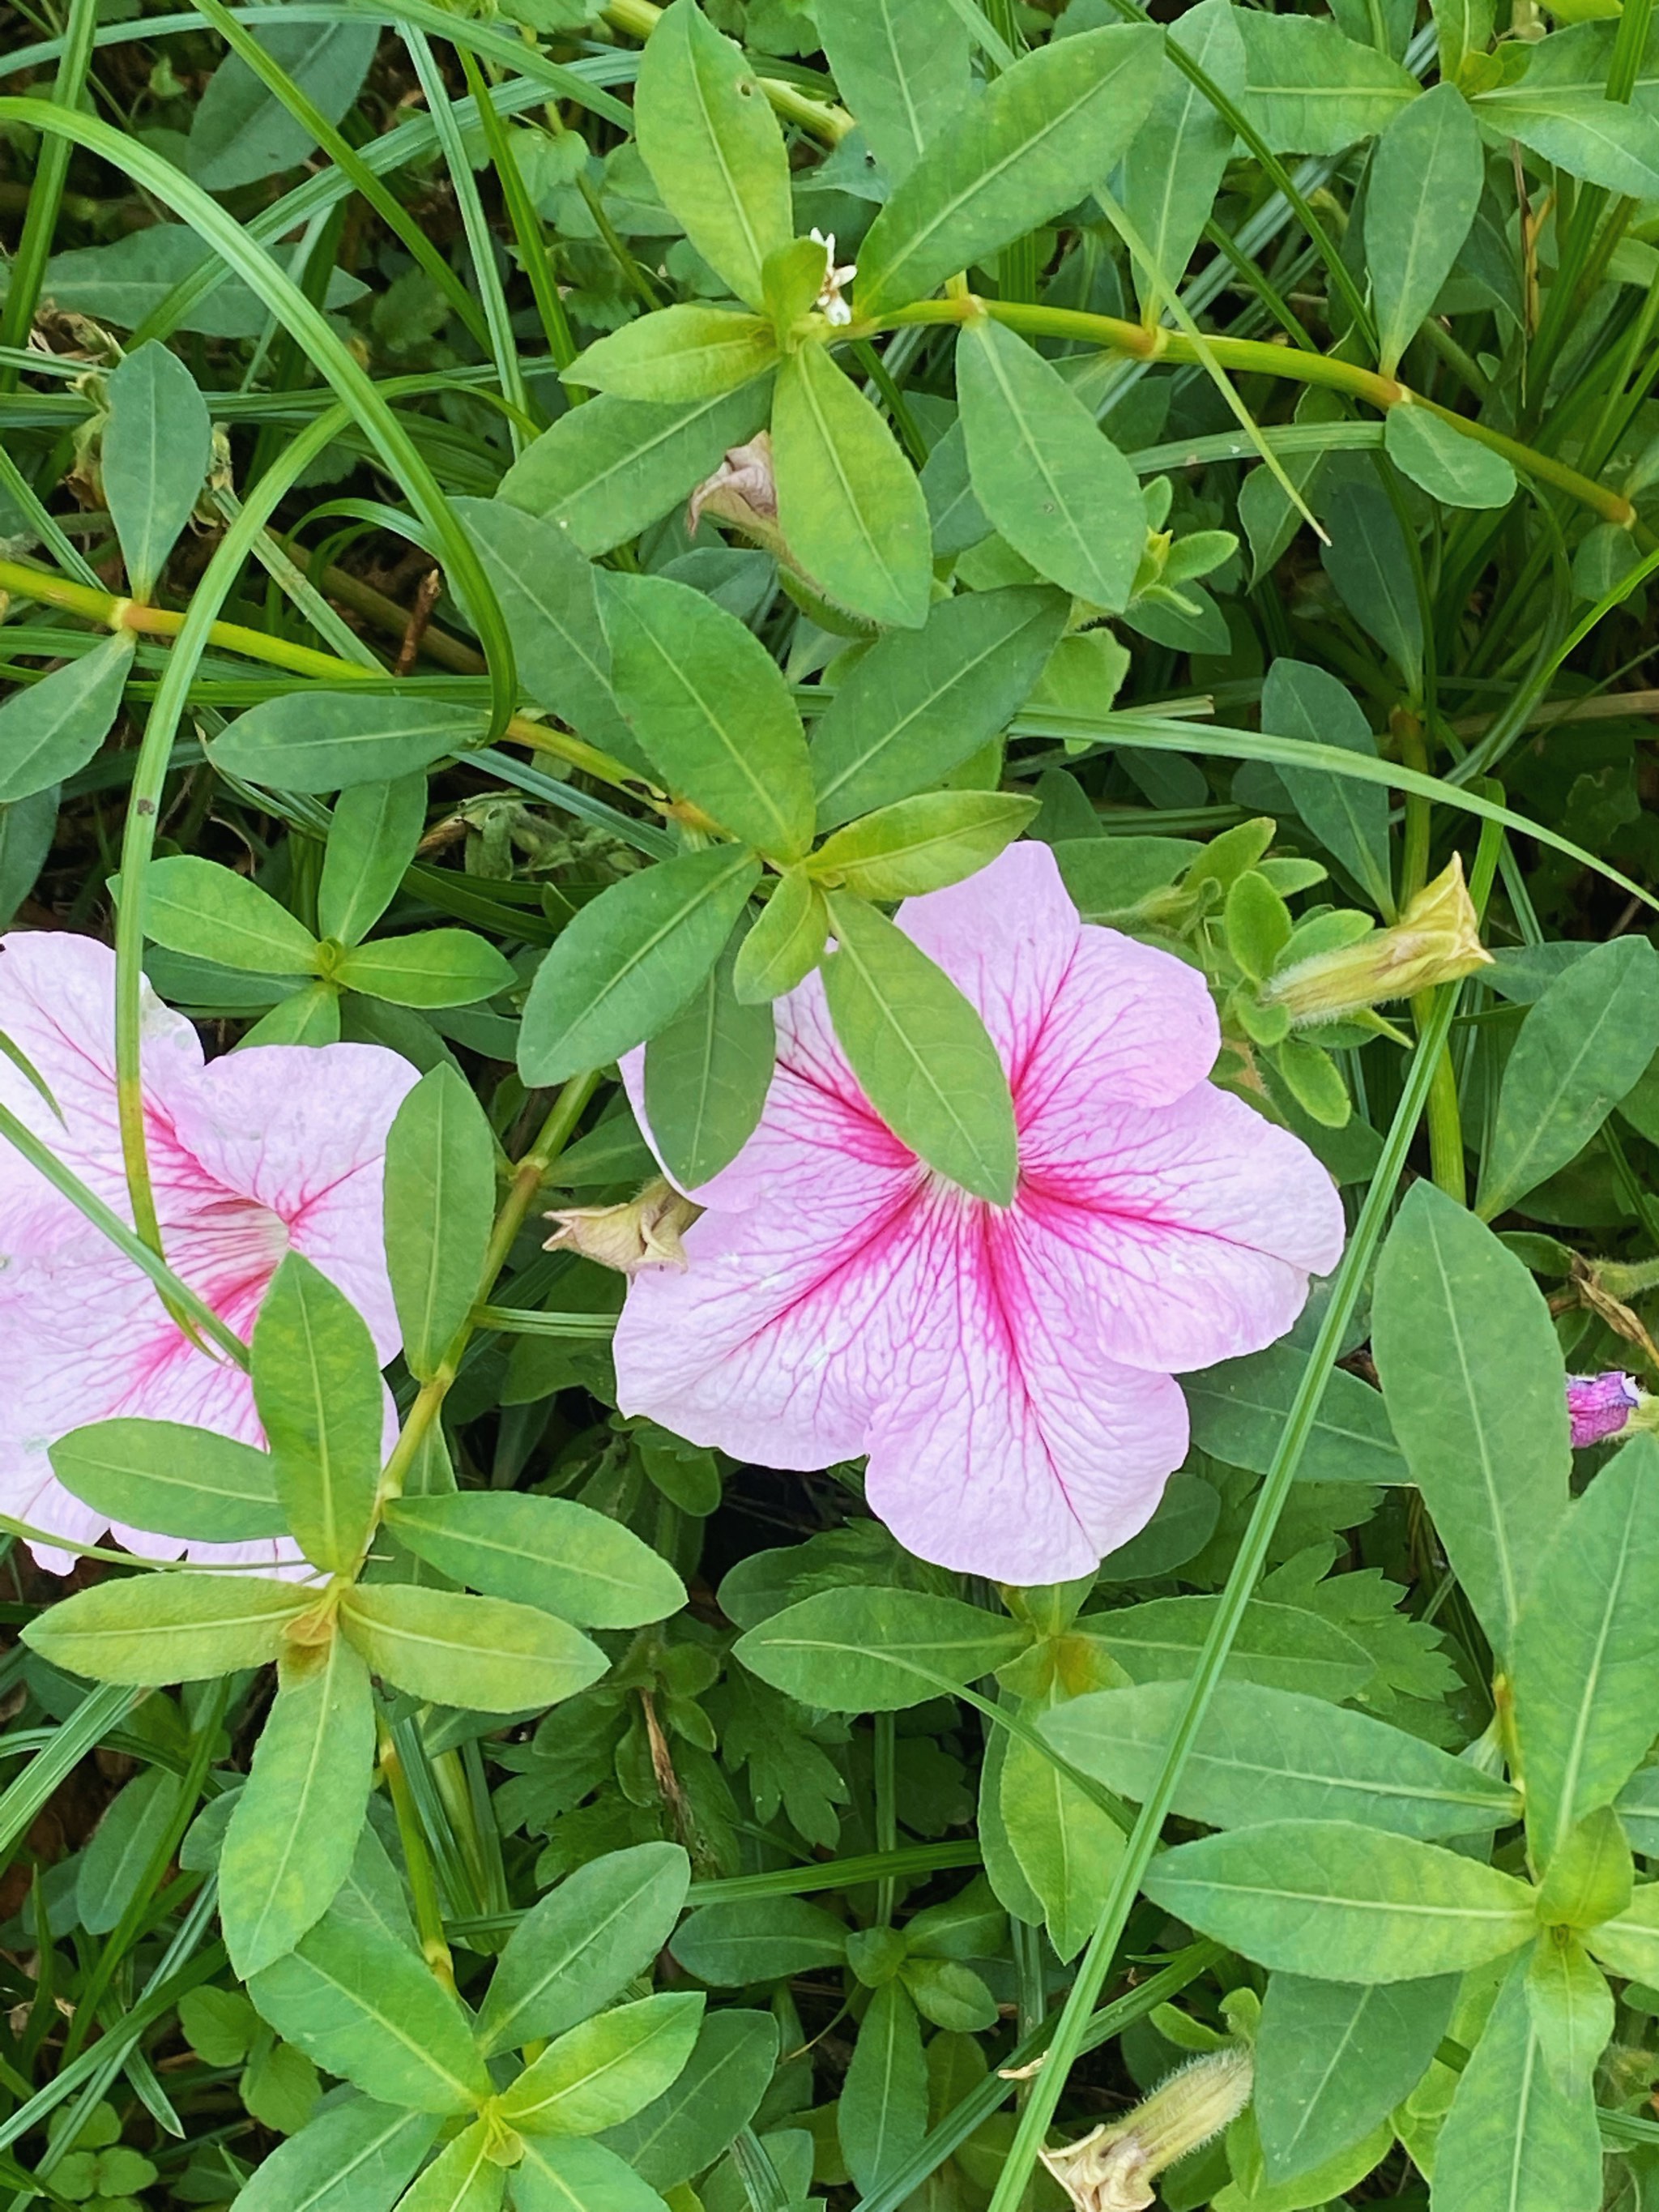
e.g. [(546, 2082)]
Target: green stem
[(1253, 357), (527, 1178), (1098, 1960), (114, 613), (639, 18), (423, 1883), (887, 1748)]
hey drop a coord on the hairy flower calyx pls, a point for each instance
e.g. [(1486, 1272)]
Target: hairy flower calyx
[(1435, 940), (1113, 2169)]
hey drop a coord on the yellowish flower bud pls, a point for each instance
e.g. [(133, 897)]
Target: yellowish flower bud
[(1113, 2169), (643, 1232), (1435, 940)]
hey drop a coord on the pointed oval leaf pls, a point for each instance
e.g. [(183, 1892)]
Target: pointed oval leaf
[(709, 707), (318, 1387), (1030, 146), (315, 740), (548, 1552), (158, 446), (440, 1207), (173, 1481), (351, 2154), (922, 1053), (849, 503), (482, 1653), (197, 907), (52, 729), (1426, 177), (1049, 478), (153, 1629), (630, 961), (602, 2070), (679, 354), (429, 968), (706, 1075), (785, 945), (877, 1650), (922, 844), (371, 843)]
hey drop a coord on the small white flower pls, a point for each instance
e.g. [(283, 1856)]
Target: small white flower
[(830, 303)]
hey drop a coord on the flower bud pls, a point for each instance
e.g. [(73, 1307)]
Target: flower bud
[(1600, 1406), (1113, 2169), (643, 1232), (1435, 940), (829, 302)]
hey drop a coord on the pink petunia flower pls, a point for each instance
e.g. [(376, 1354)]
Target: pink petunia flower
[(1600, 1406), (1007, 1371), (278, 1147)]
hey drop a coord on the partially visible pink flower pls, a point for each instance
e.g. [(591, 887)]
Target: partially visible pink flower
[(1007, 1371), (1600, 1405), (280, 1147)]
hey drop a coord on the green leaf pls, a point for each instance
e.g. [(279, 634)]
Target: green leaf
[(883, 2113), (1580, 131), (580, 1944), (901, 66), (1570, 2006), (173, 1480), (197, 907), (1310, 90), (570, 2174), (1449, 466), (308, 1017), (677, 354), (685, 2129), (1582, 1665), (153, 1628), (1334, 2058), (240, 131), (1173, 167), (1426, 177), (848, 501), (1257, 924), (292, 1837), (462, 2177), (922, 844), (714, 148), (1349, 818), (371, 842), (1265, 1754), (117, 1858), (709, 707), (1051, 481), (630, 961), (318, 740), (480, 1654), (1367, 560), (604, 2070), (921, 703), (352, 2155), (1032, 144), (1475, 1390), (706, 1076), (758, 1939), (1583, 1046), (367, 2008), (950, 1995), (429, 968), (1629, 1942), (548, 1552), (921, 1051), (1068, 1848), (607, 469), (318, 1387), (785, 945), (1514, 2140), (1338, 1902), (438, 1210), (126, 280), (1591, 1876), (1283, 1647), (50, 729), (860, 1650), (547, 592), (1239, 1407), (157, 448), (27, 828)]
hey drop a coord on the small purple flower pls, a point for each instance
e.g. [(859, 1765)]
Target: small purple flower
[(1600, 1405)]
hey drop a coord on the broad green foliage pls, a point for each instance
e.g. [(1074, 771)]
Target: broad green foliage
[(525, 536)]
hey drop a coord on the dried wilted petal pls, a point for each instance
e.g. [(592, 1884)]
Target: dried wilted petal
[(742, 492), (1435, 940), (1600, 1406), (1113, 2169), (642, 1232)]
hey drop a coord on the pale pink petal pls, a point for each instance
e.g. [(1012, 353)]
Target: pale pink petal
[(1189, 1231), (301, 1132), (1008, 1445), (775, 1342)]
